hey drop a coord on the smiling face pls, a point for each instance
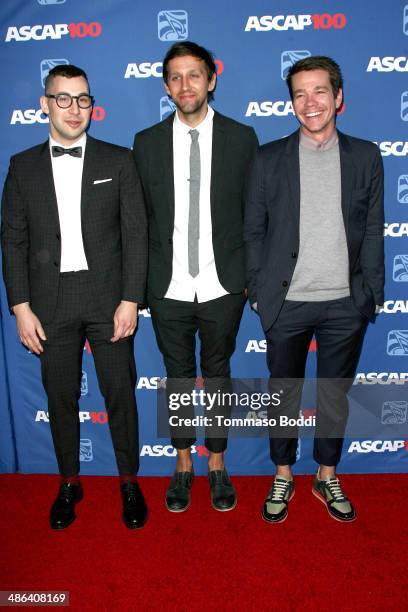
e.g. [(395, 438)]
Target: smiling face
[(66, 124), (188, 86), (314, 103)]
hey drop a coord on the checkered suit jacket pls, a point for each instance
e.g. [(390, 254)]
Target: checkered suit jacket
[(113, 228)]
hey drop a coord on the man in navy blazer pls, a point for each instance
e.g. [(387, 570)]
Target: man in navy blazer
[(315, 266), (74, 239)]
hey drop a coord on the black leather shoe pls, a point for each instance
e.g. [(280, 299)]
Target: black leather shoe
[(223, 495), (134, 506), (178, 496), (63, 509)]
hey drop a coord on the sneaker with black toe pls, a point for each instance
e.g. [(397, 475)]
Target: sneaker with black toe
[(275, 508), (178, 497), (338, 505)]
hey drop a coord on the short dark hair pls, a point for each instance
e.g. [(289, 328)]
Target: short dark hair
[(317, 62), (69, 71), (187, 47)]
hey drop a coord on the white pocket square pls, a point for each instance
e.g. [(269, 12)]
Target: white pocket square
[(101, 181)]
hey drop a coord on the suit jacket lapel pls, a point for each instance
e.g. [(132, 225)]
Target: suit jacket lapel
[(47, 183), (347, 175), (88, 174), (217, 162), (165, 172), (293, 179)]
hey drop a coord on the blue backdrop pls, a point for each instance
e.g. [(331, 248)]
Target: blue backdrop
[(120, 44)]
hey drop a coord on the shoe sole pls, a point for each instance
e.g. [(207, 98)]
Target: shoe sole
[(224, 509), (320, 497), (177, 511), (282, 520)]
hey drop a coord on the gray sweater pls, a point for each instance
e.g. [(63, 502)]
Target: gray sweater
[(322, 269)]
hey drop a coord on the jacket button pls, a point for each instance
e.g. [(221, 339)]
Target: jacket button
[(294, 255), (170, 240), (58, 236), (284, 283)]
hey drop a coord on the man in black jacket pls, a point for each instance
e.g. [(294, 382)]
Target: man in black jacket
[(193, 167), (74, 260), (315, 265)]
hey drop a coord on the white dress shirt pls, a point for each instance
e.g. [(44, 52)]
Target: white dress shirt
[(206, 285), (67, 172)]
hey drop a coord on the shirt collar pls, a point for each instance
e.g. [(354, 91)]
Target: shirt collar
[(204, 126), (81, 142), (309, 143)]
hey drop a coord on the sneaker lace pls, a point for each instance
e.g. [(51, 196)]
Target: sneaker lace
[(278, 491), (335, 490)]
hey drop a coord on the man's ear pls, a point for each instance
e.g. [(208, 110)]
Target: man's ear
[(44, 105)]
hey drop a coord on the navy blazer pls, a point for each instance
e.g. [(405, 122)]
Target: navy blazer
[(271, 231)]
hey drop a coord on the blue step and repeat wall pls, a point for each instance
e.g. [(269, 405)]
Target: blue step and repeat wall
[(121, 44)]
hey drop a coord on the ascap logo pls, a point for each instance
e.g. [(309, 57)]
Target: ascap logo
[(266, 23), (144, 70), (30, 116), (172, 25), (158, 450), (280, 108), (404, 106), (395, 230), (392, 307), (288, 58), (388, 64), (100, 417), (150, 383), (259, 346), (84, 384), (85, 449), (377, 446), (47, 64), (166, 107), (397, 149), (400, 269), (145, 313), (402, 191), (381, 378), (397, 343), (394, 413), (55, 32)]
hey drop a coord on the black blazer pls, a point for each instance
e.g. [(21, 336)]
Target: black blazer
[(113, 228), (272, 223), (233, 147)]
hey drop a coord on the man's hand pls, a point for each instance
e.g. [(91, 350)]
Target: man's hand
[(29, 328), (125, 320)]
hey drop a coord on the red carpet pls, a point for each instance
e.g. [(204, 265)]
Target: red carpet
[(204, 559)]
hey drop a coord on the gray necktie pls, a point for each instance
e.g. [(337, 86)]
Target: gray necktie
[(194, 208)]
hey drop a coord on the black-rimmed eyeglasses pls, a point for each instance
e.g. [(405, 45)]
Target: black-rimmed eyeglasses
[(65, 100)]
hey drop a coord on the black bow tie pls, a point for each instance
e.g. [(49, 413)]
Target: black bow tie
[(75, 151)]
